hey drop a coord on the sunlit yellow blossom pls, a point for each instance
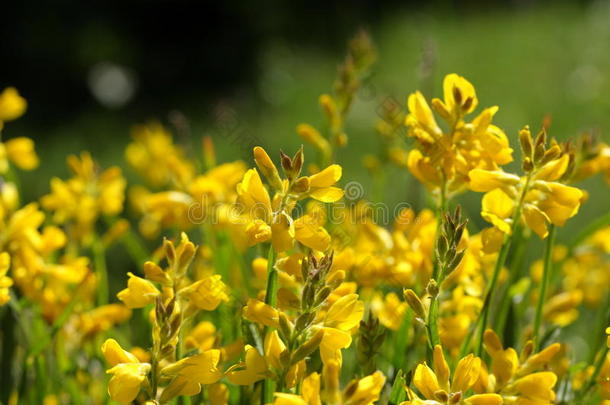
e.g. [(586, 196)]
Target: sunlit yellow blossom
[(439, 386), (12, 105), (541, 198), (443, 159), (128, 373), (208, 293), (252, 369), (139, 292)]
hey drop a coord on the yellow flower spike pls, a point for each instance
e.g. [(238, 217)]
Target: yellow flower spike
[(345, 313), (251, 370), (425, 380), (201, 368), (139, 292), (12, 105), (267, 167), (21, 152), (208, 293), (258, 311)]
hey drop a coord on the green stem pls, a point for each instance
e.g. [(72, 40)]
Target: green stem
[(546, 274), (516, 263), (490, 290), (270, 299), (598, 368), (484, 316)]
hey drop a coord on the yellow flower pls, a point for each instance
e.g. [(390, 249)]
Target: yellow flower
[(257, 311), (202, 337), (153, 155), (80, 200), (12, 105), (254, 368), (5, 282), (438, 386), (19, 151), (128, 373), (139, 292), (517, 380), (190, 373), (390, 310), (542, 200), (270, 219), (364, 391), (442, 159), (343, 315), (208, 293)]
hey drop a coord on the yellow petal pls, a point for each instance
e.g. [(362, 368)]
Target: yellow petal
[(484, 399), (114, 353), (12, 105), (21, 152), (308, 231), (327, 194), (536, 220), (425, 380), (139, 292), (325, 178), (254, 368), (487, 180), (345, 313), (258, 311)]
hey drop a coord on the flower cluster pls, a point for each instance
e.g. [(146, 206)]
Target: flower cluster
[(211, 282)]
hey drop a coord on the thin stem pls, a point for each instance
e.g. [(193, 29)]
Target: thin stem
[(490, 290), (484, 316), (598, 368), (546, 274), (270, 299)]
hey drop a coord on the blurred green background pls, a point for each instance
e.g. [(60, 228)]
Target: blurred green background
[(237, 72)]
